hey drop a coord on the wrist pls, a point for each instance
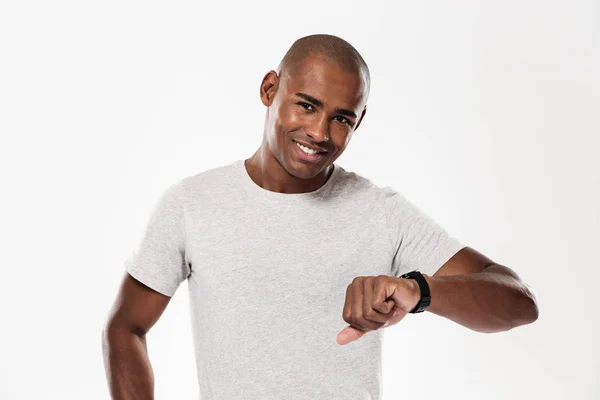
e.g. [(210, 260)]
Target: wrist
[(418, 284), (414, 289)]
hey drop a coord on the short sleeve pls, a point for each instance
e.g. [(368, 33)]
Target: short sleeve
[(418, 242), (158, 261)]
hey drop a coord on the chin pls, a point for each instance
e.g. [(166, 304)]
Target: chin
[(303, 173), (307, 171)]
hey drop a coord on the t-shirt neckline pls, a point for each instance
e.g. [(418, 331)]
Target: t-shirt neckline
[(268, 194)]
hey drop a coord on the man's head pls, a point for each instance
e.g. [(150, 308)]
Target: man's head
[(317, 97)]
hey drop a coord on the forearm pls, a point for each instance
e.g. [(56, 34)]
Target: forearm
[(128, 370), (493, 300)]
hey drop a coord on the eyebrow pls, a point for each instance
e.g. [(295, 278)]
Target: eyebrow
[(319, 103)]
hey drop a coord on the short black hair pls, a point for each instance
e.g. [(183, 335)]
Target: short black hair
[(332, 48)]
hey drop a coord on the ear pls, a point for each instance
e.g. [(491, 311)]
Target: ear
[(268, 88), (361, 118)]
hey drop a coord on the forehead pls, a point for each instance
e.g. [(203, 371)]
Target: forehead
[(326, 81)]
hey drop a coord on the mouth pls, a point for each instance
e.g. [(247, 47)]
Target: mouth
[(306, 154)]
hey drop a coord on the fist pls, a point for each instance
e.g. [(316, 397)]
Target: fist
[(374, 302)]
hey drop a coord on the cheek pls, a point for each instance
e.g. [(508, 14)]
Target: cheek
[(342, 140), (292, 117), (288, 120)]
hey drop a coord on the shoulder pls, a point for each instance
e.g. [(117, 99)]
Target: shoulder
[(357, 184), (208, 181)]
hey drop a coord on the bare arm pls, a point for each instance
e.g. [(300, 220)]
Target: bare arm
[(128, 370), (471, 290)]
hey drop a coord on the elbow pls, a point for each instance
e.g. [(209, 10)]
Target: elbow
[(528, 312), (116, 331), (111, 333), (108, 329), (532, 310), (105, 345), (106, 337)]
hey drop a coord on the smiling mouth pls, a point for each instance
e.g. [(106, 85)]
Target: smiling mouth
[(313, 151), (308, 157)]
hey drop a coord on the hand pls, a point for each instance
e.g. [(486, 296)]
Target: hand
[(374, 302)]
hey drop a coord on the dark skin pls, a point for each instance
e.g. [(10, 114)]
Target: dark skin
[(135, 311), (273, 167), (324, 122), (470, 289)]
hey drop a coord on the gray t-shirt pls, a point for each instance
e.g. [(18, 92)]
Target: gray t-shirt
[(267, 274)]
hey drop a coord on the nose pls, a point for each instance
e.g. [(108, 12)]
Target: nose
[(318, 129)]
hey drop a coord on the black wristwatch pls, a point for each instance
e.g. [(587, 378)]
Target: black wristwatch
[(425, 295)]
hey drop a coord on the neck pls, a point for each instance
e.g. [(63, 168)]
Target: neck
[(266, 171)]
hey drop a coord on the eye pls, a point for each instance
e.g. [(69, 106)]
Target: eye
[(345, 120), (302, 104)]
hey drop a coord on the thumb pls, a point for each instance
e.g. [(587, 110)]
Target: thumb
[(349, 334), (393, 314)]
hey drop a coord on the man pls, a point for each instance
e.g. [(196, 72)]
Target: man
[(286, 251)]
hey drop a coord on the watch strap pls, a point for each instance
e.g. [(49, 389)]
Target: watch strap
[(425, 300)]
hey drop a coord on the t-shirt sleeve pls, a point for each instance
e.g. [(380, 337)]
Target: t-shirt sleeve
[(158, 261), (418, 241)]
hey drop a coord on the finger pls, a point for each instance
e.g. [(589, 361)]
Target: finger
[(382, 301), (358, 301), (356, 318), (374, 318), (347, 312)]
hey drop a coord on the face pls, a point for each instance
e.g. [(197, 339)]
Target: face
[(318, 104)]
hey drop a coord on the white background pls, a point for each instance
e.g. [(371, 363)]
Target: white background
[(486, 115)]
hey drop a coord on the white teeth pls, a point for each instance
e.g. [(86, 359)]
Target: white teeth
[(306, 149)]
